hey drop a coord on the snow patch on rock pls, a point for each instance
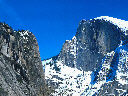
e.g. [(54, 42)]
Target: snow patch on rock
[(122, 24)]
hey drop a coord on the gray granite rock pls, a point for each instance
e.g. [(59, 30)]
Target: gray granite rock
[(21, 71), (99, 50), (94, 38)]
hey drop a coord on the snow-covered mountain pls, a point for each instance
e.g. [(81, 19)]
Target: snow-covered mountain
[(70, 81), (94, 62)]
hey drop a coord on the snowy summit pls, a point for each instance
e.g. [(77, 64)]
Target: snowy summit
[(122, 24)]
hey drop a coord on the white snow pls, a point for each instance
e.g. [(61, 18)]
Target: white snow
[(122, 72), (101, 77), (24, 34), (78, 83), (74, 81), (122, 24)]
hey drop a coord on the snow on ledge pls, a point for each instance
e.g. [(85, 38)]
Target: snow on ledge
[(122, 24)]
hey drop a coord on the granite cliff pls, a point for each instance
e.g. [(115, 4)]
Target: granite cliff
[(21, 71), (94, 62)]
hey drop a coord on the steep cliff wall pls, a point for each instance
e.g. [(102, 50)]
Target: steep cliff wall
[(94, 38), (94, 62), (21, 71)]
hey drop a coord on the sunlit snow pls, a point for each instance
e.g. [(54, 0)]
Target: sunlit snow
[(122, 24), (75, 82)]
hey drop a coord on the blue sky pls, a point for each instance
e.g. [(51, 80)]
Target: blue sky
[(54, 21)]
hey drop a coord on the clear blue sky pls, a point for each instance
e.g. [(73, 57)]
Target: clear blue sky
[(54, 21)]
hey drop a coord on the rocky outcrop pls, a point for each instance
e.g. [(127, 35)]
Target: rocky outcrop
[(94, 38), (99, 53), (21, 71)]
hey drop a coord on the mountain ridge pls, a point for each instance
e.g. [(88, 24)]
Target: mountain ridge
[(20, 64), (94, 46)]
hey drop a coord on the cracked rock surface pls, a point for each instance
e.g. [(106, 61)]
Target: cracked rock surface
[(21, 71)]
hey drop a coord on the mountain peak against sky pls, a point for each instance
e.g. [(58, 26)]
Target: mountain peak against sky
[(98, 57), (82, 45), (50, 19), (122, 24)]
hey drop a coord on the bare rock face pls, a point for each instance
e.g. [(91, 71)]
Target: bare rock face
[(94, 62), (94, 38), (21, 71)]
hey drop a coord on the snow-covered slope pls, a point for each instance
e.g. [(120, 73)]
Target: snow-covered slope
[(122, 24), (114, 70), (93, 62), (72, 82)]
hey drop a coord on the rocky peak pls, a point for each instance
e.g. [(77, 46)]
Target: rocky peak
[(20, 64), (94, 62), (94, 38)]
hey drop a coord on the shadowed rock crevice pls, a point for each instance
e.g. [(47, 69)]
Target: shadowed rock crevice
[(94, 38), (20, 64), (94, 62)]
